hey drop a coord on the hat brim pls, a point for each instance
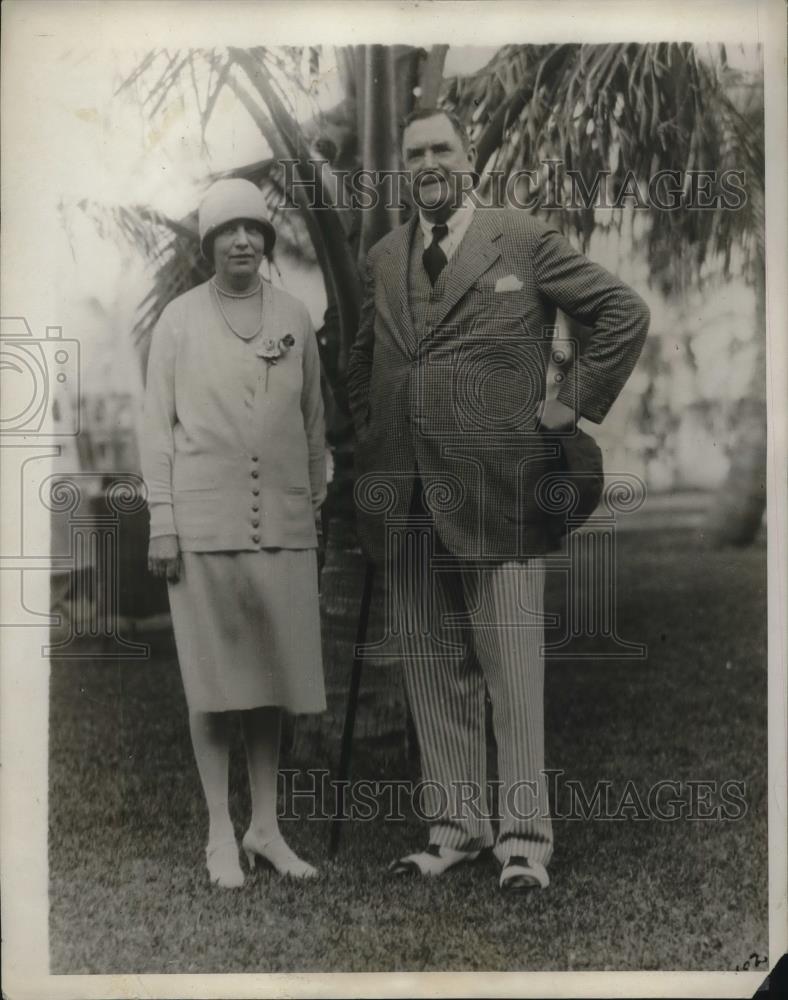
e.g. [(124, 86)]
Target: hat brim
[(269, 234)]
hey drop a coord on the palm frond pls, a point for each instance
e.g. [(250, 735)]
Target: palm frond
[(648, 108), (172, 248)]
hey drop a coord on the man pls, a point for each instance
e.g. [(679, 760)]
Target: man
[(447, 384)]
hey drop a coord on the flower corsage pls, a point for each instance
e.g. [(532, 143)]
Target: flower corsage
[(271, 350)]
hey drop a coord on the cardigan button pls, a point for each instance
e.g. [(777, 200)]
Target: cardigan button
[(255, 474), (255, 458), (256, 522), (255, 538), (255, 491), (255, 507)]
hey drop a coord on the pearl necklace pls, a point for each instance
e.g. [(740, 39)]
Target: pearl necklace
[(217, 294)]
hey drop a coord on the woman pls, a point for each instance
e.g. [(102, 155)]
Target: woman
[(234, 461)]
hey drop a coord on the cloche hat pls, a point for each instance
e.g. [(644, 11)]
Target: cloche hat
[(229, 199)]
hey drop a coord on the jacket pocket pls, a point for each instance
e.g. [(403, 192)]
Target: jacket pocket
[(509, 302), (290, 511)]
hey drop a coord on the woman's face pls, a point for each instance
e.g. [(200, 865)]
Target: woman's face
[(237, 252)]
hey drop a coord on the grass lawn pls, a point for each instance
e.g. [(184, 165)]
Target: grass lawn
[(129, 892)]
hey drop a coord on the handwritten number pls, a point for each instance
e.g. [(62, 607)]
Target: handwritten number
[(757, 961)]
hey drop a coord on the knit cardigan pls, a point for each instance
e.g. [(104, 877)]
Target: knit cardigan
[(233, 447)]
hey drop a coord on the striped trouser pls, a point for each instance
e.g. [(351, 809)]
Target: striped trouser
[(463, 628)]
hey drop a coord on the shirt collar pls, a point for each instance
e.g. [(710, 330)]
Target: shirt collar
[(457, 222)]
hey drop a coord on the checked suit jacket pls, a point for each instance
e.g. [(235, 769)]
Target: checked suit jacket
[(458, 401)]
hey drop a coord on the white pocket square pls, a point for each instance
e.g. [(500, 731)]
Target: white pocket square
[(509, 283)]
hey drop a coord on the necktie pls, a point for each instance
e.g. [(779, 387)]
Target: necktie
[(433, 257)]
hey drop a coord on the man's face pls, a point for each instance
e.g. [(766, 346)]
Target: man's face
[(434, 154)]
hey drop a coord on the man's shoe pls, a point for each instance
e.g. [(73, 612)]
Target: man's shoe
[(432, 862), (521, 875)]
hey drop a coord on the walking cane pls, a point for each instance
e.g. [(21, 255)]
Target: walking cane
[(289, 722), (350, 709)]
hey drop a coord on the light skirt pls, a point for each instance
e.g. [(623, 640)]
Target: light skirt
[(247, 630)]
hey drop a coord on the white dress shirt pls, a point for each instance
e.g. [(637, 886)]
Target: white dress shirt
[(457, 222)]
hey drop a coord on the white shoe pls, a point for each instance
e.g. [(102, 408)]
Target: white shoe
[(431, 863), (277, 855), (223, 867), (521, 875)]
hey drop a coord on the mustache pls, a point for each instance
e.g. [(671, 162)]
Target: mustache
[(428, 175)]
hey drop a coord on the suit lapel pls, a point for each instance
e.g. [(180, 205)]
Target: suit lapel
[(395, 278), (476, 253)]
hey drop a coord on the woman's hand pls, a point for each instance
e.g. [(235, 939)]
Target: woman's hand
[(164, 557)]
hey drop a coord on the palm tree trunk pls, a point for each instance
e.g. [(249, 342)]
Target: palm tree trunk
[(432, 75), (325, 226), (385, 78)]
